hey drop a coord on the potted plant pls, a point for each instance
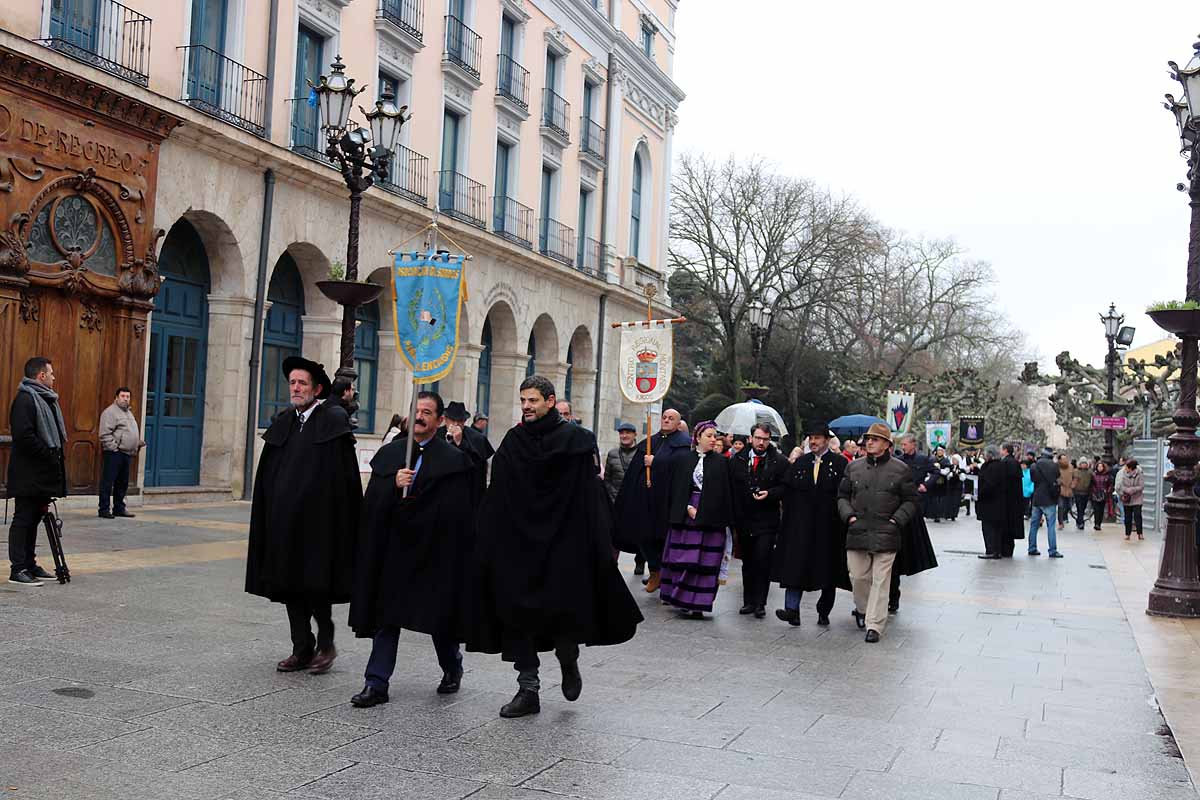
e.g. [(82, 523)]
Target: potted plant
[(754, 391), (1180, 317), (344, 292)]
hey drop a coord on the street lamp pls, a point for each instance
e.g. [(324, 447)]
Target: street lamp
[(1176, 593), (759, 316), (349, 146), (1112, 327)]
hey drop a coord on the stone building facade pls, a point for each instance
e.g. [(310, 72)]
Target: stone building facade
[(541, 131)]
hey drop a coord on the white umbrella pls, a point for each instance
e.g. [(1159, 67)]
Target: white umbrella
[(739, 418)]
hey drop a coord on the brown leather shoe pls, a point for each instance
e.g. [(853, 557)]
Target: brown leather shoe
[(293, 663), (323, 661), (653, 583)]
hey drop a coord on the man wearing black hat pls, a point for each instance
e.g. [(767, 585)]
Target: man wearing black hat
[(810, 554), (470, 441), (304, 519)]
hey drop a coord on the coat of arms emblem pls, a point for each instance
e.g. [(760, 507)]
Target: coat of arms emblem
[(646, 373)]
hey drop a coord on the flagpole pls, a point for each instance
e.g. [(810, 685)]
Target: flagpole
[(650, 290), (412, 405)]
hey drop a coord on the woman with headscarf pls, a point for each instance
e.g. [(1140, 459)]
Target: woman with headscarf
[(700, 508)]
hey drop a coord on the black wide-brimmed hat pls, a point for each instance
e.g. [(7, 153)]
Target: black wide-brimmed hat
[(817, 429), (319, 376), (456, 412)]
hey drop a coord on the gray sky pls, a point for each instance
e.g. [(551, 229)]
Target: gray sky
[(1032, 133)]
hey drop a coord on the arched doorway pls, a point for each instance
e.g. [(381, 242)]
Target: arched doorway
[(483, 384), (283, 336), (366, 363), (178, 352)]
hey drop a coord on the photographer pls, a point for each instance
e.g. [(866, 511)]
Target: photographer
[(36, 470), (758, 478)]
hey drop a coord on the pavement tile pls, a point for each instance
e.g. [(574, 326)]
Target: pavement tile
[(1090, 785), (374, 782), (1143, 720), (37, 662), (225, 722), (507, 766), (57, 730), (173, 751), (742, 768), (1074, 732), (968, 743), (982, 770), (736, 792), (704, 732), (88, 698), (563, 740), (851, 729), (894, 786), (793, 743), (275, 767), (441, 723), (946, 717), (1099, 759), (598, 782)]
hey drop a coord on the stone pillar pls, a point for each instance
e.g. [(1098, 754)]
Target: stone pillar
[(614, 162), (465, 377), (664, 199), (555, 372), (323, 340), (227, 383), (583, 390), (508, 370), (393, 394)]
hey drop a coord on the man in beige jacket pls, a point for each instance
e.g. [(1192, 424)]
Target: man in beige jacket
[(120, 441)]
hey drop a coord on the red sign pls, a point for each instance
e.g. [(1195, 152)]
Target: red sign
[(1109, 423)]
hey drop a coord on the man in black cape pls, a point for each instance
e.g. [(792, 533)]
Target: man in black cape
[(641, 512), (471, 442), (992, 510), (1014, 499), (546, 578), (810, 554), (758, 494), (916, 550), (414, 552), (304, 518)]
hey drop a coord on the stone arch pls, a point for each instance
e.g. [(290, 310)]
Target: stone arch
[(641, 193), (314, 266), (581, 374), (227, 270), (581, 349), (503, 323), (544, 335)]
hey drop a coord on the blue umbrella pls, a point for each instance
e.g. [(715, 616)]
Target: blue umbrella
[(853, 424)]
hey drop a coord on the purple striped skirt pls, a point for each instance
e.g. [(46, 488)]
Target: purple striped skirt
[(691, 565)]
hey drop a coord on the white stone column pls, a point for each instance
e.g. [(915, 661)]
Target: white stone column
[(665, 198), (392, 393), (508, 370), (323, 341), (227, 381), (614, 163), (583, 392), (465, 377), (555, 372)]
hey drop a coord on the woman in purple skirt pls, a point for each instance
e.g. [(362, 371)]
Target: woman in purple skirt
[(701, 507)]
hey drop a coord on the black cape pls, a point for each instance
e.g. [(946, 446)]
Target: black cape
[(810, 551), (478, 449), (544, 567), (718, 503), (304, 518), (414, 552), (1014, 497), (642, 513)]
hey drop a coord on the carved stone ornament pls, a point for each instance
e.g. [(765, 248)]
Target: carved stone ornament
[(141, 278), (516, 9), (594, 70), (14, 259), (139, 329), (90, 318), (30, 308), (556, 38)]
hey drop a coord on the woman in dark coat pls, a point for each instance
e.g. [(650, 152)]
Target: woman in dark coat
[(993, 508), (701, 506)]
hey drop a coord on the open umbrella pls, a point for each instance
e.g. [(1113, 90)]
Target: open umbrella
[(739, 418), (853, 424)]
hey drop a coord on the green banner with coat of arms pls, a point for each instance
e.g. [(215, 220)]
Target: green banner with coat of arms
[(427, 292)]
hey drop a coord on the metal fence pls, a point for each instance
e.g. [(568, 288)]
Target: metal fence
[(407, 15), (223, 88), (103, 33)]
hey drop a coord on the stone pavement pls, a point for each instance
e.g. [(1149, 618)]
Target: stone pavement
[(152, 675)]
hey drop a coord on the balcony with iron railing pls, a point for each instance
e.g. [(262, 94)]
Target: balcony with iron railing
[(104, 34), (512, 221), (408, 175), (223, 88), (407, 15), (556, 113), (589, 257), (512, 81), (306, 138), (462, 198), (556, 241), (591, 138), (464, 47)]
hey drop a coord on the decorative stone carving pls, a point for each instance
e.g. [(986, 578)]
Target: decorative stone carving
[(557, 40), (588, 174), (90, 318), (328, 10), (619, 75), (551, 152), (640, 99), (140, 279), (30, 308), (515, 9), (509, 117), (396, 49), (593, 69), (14, 260), (139, 330), (672, 120)]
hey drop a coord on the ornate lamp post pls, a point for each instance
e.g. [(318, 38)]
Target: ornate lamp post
[(349, 146), (760, 322), (1112, 326), (1176, 593)]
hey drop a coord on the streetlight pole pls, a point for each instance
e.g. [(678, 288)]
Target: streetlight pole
[(760, 320), (1176, 593), (1112, 325), (350, 148)]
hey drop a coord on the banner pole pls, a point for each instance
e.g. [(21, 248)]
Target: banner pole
[(650, 292), (412, 406)]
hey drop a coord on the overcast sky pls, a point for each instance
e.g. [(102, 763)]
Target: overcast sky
[(1032, 133)]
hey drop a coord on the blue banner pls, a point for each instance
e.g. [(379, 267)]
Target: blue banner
[(427, 291)]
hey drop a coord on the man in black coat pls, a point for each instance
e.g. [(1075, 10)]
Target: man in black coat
[(304, 518), (36, 469), (545, 578), (993, 506), (916, 550), (810, 554), (758, 479), (414, 551), (1014, 501), (641, 511), (471, 442)]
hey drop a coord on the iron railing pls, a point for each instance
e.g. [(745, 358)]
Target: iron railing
[(223, 88), (407, 15), (306, 138), (590, 256), (591, 137), (462, 198), (512, 221), (408, 175), (463, 46), (104, 34), (556, 241), (512, 81), (555, 112)]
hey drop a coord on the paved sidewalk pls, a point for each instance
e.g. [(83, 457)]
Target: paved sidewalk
[(152, 675)]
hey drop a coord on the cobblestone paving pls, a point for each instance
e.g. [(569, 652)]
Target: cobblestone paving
[(152, 675)]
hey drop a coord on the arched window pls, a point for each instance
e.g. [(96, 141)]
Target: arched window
[(635, 208), (483, 386), (366, 363), (567, 379), (283, 336), (531, 351)]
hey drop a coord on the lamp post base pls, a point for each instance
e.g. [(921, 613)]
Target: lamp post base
[(1166, 603)]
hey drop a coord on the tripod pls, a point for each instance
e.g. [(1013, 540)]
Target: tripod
[(53, 526)]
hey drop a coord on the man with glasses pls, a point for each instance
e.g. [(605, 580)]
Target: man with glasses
[(758, 474)]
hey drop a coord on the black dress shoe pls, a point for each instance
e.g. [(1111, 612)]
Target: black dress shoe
[(872, 637), (639, 569), (760, 612), (105, 515), (746, 610), (572, 681), (892, 609), (987, 556), (450, 682), (525, 702), (41, 574), (789, 615), (859, 619), (1035, 552), (124, 514), (369, 696), (823, 620)]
